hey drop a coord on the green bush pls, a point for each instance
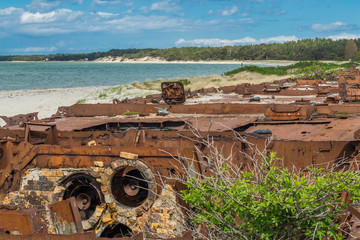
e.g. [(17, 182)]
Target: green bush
[(103, 95), (303, 69), (184, 81), (270, 202), (81, 101)]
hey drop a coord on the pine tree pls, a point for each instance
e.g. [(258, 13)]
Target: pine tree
[(351, 50)]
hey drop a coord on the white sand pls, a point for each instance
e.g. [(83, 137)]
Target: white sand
[(47, 101), (44, 101), (110, 59)]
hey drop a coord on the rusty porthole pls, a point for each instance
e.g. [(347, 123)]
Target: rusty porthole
[(129, 186), (86, 191), (116, 231)]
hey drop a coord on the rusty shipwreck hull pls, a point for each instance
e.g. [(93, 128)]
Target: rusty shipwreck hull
[(89, 171), (37, 175), (93, 110)]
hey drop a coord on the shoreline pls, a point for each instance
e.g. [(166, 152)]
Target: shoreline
[(44, 101), (158, 61), (47, 101), (237, 62)]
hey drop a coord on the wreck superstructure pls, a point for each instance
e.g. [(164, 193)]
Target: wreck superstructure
[(106, 169)]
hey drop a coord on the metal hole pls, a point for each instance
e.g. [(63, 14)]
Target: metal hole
[(117, 231), (86, 191), (129, 187)]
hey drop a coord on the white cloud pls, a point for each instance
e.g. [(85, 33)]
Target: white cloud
[(278, 39), (216, 42), (344, 36), (106, 2), (42, 5), (224, 12), (163, 6), (35, 49), (335, 26), (100, 2), (28, 17), (137, 23), (64, 15), (10, 10), (63, 21), (106, 15), (229, 11)]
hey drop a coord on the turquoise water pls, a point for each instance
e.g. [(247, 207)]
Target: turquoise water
[(36, 75)]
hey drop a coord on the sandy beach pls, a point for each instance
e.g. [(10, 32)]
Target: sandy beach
[(44, 101), (111, 59), (47, 101)]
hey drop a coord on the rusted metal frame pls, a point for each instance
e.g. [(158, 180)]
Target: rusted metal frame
[(149, 135), (290, 122), (90, 110), (20, 118), (354, 211), (11, 135), (173, 92), (107, 151), (28, 152), (354, 230), (16, 222), (65, 214), (36, 220), (50, 139)]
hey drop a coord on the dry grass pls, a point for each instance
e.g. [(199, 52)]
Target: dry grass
[(220, 81), (152, 87)]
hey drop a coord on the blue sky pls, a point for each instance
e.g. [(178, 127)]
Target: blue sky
[(73, 26)]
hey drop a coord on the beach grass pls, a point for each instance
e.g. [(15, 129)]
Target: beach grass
[(81, 101), (246, 74)]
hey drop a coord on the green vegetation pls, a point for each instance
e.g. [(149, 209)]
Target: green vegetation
[(271, 201), (184, 81), (130, 113), (308, 70), (103, 95), (306, 49), (342, 114), (215, 80), (116, 90), (280, 71), (81, 101)]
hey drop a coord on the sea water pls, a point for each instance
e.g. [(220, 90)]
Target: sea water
[(38, 75)]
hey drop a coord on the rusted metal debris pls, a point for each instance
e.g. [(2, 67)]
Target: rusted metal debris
[(350, 92), (288, 112), (19, 119), (91, 171), (173, 92)]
